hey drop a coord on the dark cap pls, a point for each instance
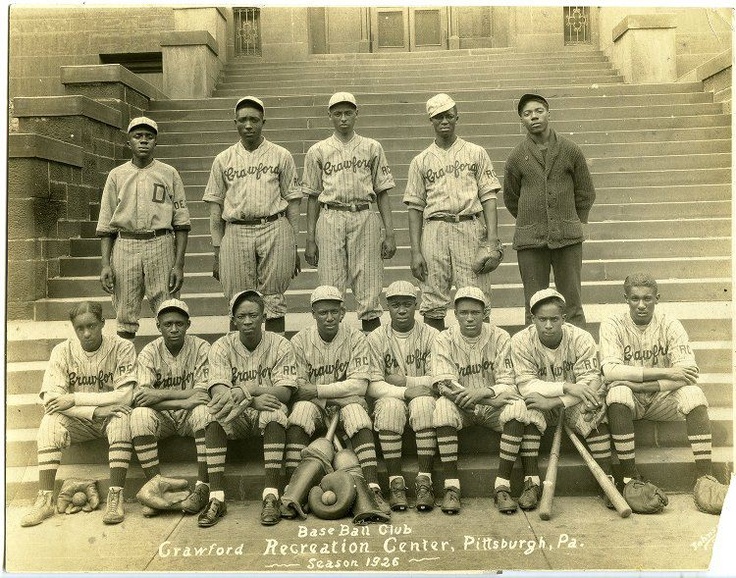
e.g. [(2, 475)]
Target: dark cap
[(530, 96)]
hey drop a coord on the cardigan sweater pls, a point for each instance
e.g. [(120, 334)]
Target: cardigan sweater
[(550, 199)]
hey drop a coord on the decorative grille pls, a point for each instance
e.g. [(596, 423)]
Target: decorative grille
[(247, 31), (577, 24)]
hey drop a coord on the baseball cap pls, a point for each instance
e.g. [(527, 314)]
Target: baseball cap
[(339, 97), (257, 102), (543, 295), (471, 293), (401, 289), (177, 304), (238, 297), (143, 121), (530, 96), (325, 293), (439, 103)]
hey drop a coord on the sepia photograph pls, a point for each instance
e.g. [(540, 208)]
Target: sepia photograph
[(369, 288)]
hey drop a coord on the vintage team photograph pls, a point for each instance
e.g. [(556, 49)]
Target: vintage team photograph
[(379, 289)]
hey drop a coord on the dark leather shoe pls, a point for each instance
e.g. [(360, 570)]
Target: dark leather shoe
[(197, 500), (212, 513), (504, 502), (530, 496), (270, 514), (451, 501), (425, 494), (397, 495)]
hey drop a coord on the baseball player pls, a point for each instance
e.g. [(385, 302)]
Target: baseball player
[(651, 373), (171, 397), (144, 227), (556, 366), (472, 370), (451, 195), (343, 175), (252, 376), (254, 201), (401, 385), (86, 392), (548, 189), (333, 362)]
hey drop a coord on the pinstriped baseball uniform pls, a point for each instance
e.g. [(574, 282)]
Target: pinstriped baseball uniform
[(271, 364), (661, 343), (255, 185), (484, 361), (70, 370), (349, 242), (543, 370), (157, 368), (140, 200), (408, 355), (443, 183), (326, 365)]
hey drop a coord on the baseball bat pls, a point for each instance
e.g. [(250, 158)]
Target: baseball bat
[(550, 477), (603, 480)]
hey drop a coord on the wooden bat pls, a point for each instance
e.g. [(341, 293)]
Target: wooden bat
[(550, 477), (603, 480)]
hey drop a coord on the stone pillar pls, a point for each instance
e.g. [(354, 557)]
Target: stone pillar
[(453, 37), (212, 20), (644, 48), (191, 63)]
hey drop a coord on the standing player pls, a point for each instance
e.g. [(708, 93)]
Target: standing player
[(252, 375), (333, 362), (343, 175), (451, 195), (144, 227), (472, 370), (171, 396), (252, 186), (401, 384), (86, 392), (548, 189), (651, 373), (556, 366)]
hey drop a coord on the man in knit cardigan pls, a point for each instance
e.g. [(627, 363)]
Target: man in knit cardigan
[(548, 189)]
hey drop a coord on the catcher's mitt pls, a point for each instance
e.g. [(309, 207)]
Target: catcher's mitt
[(77, 495), (709, 495), (487, 258), (644, 497), (162, 493)]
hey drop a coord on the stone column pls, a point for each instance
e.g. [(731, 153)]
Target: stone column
[(191, 63), (644, 48)]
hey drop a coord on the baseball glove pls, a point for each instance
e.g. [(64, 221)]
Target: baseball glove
[(162, 493), (487, 258), (77, 495), (709, 495), (644, 497)]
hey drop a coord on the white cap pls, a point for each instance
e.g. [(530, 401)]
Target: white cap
[(177, 304), (253, 100), (237, 298), (401, 289), (439, 103), (543, 295), (339, 97), (471, 293), (325, 293), (143, 121)]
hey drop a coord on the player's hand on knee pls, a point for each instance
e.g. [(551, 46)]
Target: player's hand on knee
[(266, 402), (120, 410), (199, 397), (418, 266), (145, 396), (176, 279), (388, 247), (60, 403), (506, 397), (396, 379), (222, 402), (306, 393), (297, 263), (687, 374), (539, 402), (107, 279), (311, 253)]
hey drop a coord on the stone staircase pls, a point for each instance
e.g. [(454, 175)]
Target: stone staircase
[(660, 156)]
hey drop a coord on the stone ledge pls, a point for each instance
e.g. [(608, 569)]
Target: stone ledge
[(643, 22), (718, 63), (95, 73), (220, 9), (189, 38), (29, 145), (71, 105)]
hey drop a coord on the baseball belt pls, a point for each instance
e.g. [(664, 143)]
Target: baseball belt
[(144, 235), (261, 221), (453, 218), (353, 207)]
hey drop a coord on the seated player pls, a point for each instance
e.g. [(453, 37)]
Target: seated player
[(171, 397), (472, 369), (556, 366), (333, 363), (252, 376), (651, 374), (401, 385), (86, 393)]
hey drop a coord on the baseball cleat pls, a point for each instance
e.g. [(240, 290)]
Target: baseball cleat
[(504, 502), (114, 513), (42, 508), (270, 513), (424, 493), (397, 495), (212, 513), (529, 498), (197, 500), (451, 501), (380, 502)]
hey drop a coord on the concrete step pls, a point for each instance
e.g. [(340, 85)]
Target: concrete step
[(671, 468), (507, 273)]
